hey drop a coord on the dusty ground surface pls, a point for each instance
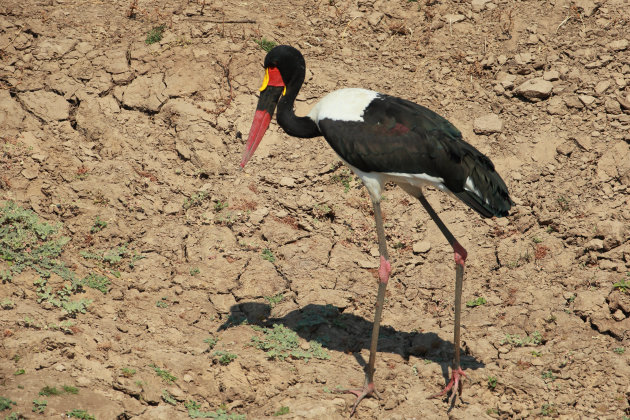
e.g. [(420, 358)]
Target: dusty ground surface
[(98, 127)]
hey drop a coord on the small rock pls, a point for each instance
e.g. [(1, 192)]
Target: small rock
[(584, 141), (488, 124), (588, 6), (536, 88), (453, 18), (523, 58), (594, 245), (478, 5), (551, 75), (586, 99), (573, 101), (421, 247), (602, 86), (46, 105), (31, 172), (619, 315), (287, 181), (618, 45), (612, 106), (556, 106), (375, 18)]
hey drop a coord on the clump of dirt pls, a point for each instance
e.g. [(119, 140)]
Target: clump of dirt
[(122, 126)]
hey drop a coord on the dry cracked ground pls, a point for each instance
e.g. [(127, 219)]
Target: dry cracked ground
[(143, 273)]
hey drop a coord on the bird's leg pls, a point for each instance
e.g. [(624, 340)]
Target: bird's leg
[(456, 382), (383, 276)]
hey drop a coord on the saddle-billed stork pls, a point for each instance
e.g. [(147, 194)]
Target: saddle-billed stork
[(383, 138)]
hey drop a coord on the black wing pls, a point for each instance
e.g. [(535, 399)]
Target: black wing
[(400, 136)]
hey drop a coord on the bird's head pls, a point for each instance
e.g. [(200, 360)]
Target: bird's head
[(282, 65)]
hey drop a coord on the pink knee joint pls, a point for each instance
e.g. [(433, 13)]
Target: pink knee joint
[(384, 269), (460, 254)]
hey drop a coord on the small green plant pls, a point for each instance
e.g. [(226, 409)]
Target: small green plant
[(622, 285), (536, 353), (211, 342), (48, 391), (98, 225), (165, 375), (195, 200), (19, 372), (162, 303), (492, 382), (280, 342), (548, 375), (224, 357), (7, 304), (534, 339), (68, 389), (155, 34), (619, 350), (536, 240), (194, 412), (194, 271), (265, 44), (39, 406), (5, 403), (98, 282), (268, 255), (476, 302), (281, 411), (80, 414), (274, 300), (168, 398), (549, 410), (128, 372), (345, 178), (220, 205)]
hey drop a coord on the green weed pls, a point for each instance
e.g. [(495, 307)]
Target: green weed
[(619, 350), (274, 300), (6, 403), (268, 255), (19, 372), (492, 382), (265, 44), (168, 398), (98, 282), (39, 406), (165, 375), (224, 357), (98, 225), (80, 414), (194, 412), (194, 271), (195, 200), (476, 302), (280, 342), (128, 372), (534, 339), (345, 178), (7, 304), (549, 410), (549, 375), (622, 285), (70, 389), (155, 34), (48, 391), (220, 205), (281, 411), (211, 341)]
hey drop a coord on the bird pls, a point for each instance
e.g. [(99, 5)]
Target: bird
[(383, 138)]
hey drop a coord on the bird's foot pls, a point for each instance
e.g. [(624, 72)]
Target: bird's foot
[(455, 385), (367, 390)]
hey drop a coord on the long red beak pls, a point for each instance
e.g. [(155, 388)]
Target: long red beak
[(272, 88), (261, 122)]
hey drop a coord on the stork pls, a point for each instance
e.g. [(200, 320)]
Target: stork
[(382, 139)]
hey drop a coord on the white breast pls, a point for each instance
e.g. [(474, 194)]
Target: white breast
[(343, 105)]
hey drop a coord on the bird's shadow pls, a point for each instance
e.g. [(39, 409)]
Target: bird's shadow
[(348, 333)]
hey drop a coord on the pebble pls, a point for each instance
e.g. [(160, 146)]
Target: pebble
[(287, 181), (612, 106), (551, 75), (478, 5), (488, 124), (536, 88), (586, 99), (602, 86), (421, 247), (618, 45)]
